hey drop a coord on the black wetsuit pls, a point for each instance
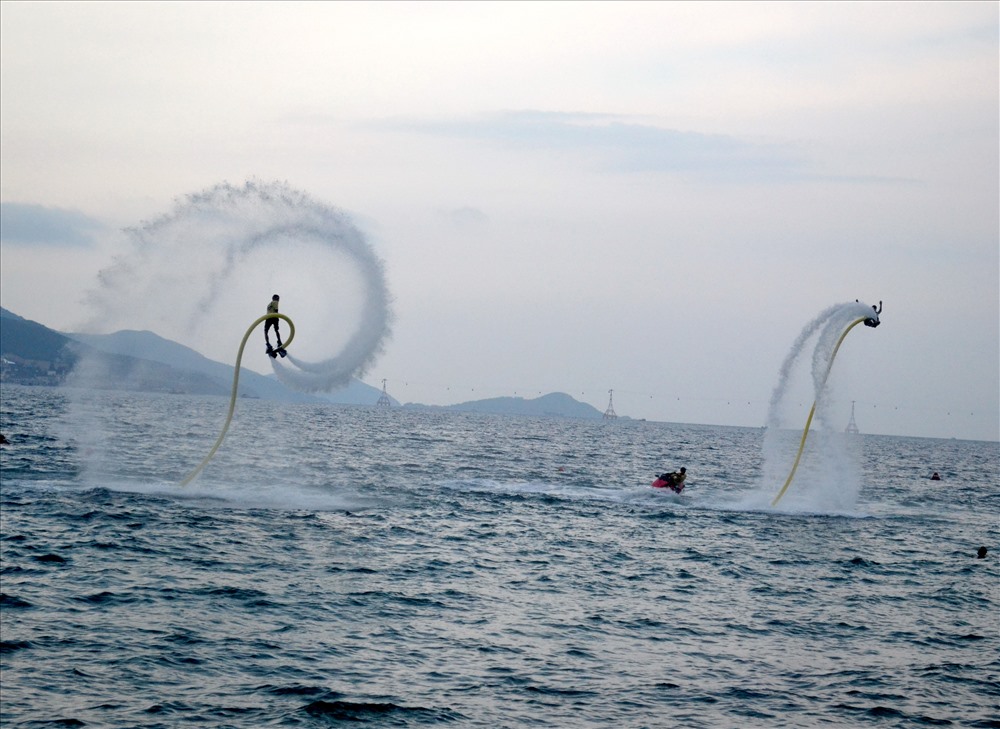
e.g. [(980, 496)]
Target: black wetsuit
[(272, 308)]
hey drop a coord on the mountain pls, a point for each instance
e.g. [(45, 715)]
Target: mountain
[(555, 404), (152, 347), (29, 339), (34, 354)]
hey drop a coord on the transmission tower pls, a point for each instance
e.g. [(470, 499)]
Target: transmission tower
[(609, 414), (852, 427), (383, 399)]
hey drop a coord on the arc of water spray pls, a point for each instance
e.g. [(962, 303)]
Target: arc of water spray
[(236, 380), (812, 411)]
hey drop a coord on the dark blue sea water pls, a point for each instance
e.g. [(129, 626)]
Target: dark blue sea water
[(382, 567)]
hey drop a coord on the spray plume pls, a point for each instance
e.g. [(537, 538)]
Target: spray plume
[(831, 480), (200, 273)]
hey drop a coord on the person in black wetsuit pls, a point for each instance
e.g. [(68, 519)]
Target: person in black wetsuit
[(873, 321), (272, 308)]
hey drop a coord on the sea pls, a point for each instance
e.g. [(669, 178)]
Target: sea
[(394, 567)]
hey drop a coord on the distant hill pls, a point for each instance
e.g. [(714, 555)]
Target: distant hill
[(556, 404), (29, 339), (35, 354), (143, 361), (149, 346)]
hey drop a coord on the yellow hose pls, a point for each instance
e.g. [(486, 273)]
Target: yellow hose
[(812, 411), (236, 381)]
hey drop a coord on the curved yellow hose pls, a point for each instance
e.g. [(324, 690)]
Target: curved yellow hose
[(812, 411), (236, 381)]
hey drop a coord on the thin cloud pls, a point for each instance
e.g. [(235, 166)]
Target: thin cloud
[(620, 145), (27, 224), (467, 216)]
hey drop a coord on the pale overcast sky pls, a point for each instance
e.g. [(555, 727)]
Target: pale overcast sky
[(648, 197)]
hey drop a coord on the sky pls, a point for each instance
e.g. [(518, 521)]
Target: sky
[(645, 199)]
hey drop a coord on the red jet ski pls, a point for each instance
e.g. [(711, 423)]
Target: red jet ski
[(669, 481)]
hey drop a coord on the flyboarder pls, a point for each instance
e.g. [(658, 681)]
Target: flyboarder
[(873, 321), (272, 308)]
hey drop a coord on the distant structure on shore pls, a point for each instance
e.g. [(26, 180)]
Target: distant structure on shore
[(852, 427), (610, 414), (383, 399)]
